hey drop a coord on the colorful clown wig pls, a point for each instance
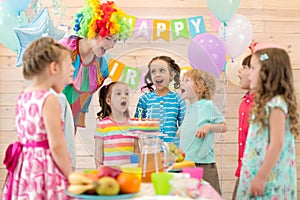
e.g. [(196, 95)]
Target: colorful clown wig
[(103, 19)]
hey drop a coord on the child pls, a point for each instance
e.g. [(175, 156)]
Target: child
[(66, 114), (38, 163), (98, 26), (112, 146), (162, 103), (244, 109), (268, 169), (201, 121)]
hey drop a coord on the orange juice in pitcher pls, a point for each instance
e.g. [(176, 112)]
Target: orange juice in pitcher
[(152, 160)]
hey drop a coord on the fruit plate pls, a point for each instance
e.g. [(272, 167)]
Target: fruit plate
[(100, 197)]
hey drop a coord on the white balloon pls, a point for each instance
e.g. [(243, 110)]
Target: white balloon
[(236, 35)]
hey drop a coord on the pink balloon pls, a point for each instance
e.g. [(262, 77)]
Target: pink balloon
[(215, 23), (206, 52), (261, 45), (236, 35)]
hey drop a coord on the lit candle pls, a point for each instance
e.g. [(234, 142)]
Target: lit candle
[(140, 110)]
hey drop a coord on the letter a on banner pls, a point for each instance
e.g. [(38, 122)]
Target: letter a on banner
[(131, 77), (115, 69)]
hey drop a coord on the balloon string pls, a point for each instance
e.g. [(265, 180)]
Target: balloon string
[(221, 135), (224, 34)]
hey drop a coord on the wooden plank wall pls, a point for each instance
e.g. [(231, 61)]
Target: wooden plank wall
[(273, 21)]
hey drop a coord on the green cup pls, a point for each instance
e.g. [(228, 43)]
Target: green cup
[(161, 183)]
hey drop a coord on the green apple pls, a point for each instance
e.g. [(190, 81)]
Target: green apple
[(107, 186)]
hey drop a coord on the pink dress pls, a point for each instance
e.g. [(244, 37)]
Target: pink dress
[(32, 171)]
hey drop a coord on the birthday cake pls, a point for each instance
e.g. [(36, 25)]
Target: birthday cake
[(144, 126)]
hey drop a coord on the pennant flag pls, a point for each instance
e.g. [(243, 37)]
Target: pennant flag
[(179, 28), (161, 29), (115, 69), (143, 27), (131, 77), (196, 25)]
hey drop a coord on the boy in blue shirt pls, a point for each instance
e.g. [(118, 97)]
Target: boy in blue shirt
[(201, 121)]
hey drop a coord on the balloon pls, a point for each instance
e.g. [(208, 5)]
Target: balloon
[(236, 35), (41, 26), (215, 23), (233, 66), (8, 21), (206, 52), (18, 5), (223, 10)]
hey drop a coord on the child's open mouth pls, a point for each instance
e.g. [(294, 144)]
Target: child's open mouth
[(159, 81)]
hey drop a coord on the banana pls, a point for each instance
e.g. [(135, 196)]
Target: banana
[(77, 178), (79, 189)]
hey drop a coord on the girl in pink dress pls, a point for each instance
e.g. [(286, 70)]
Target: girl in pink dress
[(38, 163)]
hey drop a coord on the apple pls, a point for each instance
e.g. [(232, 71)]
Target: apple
[(177, 152), (181, 155), (107, 186), (108, 171)]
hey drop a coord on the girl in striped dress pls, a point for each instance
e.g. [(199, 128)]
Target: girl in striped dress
[(113, 145)]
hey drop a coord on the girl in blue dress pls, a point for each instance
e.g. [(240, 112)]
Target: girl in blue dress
[(269, 168)]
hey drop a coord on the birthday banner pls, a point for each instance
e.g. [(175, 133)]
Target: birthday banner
[(163, 29), (129, 75)]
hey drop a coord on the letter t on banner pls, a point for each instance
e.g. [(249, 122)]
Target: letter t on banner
[(131, 77)]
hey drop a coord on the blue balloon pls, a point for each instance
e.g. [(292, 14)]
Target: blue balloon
[(223, 10), (41, 26), (18, 5), (9, 20)]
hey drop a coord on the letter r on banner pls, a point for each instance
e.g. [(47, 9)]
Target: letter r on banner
[(131, 76)]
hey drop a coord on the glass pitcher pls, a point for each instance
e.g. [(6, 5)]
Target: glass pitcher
[(154, 156)]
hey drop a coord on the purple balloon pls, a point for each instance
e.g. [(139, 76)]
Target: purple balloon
[(207, 52)]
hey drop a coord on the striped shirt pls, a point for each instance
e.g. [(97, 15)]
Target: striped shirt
[(170, 109), (117, 145)]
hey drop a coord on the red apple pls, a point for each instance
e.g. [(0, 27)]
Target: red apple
[(108, 171)]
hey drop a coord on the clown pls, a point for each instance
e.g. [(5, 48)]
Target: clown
[(98, 27)]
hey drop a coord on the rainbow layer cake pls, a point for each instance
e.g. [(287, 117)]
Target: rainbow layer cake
[(144, 126)]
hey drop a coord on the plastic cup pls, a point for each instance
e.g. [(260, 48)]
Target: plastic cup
[(161, 183), (195, 172), (132, 168)]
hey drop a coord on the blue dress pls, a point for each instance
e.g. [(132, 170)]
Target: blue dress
[(282, 181)]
